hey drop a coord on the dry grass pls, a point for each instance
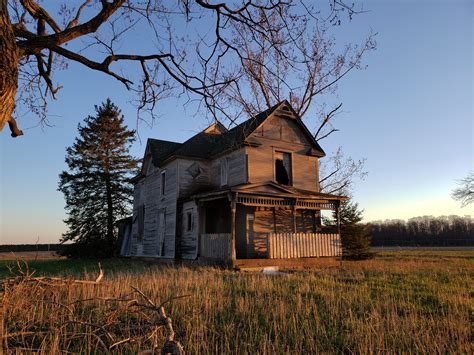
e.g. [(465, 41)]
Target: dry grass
[(400, 301)]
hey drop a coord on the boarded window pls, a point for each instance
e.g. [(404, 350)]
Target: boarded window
[(283, 169), (194, 170), (224, 171), (163, 183), (141, 222)]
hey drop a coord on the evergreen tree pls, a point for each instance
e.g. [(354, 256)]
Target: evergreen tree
[(97, 187), (355, 237)]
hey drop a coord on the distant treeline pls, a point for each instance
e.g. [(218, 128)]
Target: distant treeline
[(30, 247), (423, 231)]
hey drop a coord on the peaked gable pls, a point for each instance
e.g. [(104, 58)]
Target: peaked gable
[(216, 139), (285, 124)]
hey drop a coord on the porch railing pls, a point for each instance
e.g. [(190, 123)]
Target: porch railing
[(303, 245), (216, 246)]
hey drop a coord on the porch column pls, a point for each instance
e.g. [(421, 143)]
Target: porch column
[(233, 208), (293, 211)]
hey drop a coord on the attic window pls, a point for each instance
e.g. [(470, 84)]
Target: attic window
[(283, 172), (194, 170), (285, 108)]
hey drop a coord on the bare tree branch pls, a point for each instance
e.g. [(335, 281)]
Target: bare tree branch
[(464, 193)]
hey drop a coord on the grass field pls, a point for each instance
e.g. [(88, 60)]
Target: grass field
[(413, 300)]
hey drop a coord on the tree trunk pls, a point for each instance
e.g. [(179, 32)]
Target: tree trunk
[(8, 66), (110, 213)]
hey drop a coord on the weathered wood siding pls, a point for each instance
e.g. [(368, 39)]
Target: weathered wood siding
[(188, 238), (282, 133), (216, 246), (303, 245), (160, 213), (136, 247), (236, 163), (210, 173), (253, 244), (189, 185)]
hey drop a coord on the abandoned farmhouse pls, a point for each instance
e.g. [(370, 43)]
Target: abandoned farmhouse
[(244, 193)]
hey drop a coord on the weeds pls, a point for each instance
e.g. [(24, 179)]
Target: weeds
[(394, 303)]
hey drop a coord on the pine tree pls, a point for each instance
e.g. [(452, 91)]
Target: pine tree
[(97, 187), (355, 237)]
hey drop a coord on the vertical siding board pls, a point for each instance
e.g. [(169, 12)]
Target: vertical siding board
[(310, 239), (303, 245), (273, 244), (215, 246), (290, 244), (308, 245)]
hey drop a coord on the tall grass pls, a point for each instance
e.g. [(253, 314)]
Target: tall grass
[(396, 302)]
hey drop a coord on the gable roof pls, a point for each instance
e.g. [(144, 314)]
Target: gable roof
[(205, 145), (161, 149)]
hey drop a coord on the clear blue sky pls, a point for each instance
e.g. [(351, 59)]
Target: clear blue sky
[(410, 114)]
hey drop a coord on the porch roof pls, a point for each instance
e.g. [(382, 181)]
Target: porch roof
[(270, 194)]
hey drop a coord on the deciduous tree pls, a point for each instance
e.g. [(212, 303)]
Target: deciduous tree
[(97, 186), (302, 64), (464, 193), (189, 42)]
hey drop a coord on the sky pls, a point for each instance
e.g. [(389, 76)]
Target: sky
[(409, 114)]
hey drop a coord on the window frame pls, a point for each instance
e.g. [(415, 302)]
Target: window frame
[(224, 167), (290, 173), (189, 226), (163, 183)]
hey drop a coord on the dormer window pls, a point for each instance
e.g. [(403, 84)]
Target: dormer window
[(283, 169)]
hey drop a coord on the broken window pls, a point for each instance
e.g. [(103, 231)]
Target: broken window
[(194, 170), (283, 168)]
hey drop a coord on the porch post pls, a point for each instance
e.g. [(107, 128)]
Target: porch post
[(233, 208), (338, 217), (293, 211)]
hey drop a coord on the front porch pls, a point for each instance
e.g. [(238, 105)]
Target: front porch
[(218, 246), (245, 224)]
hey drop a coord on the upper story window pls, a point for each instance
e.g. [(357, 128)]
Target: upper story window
[(224, 171), (283, 168), (163, 183)]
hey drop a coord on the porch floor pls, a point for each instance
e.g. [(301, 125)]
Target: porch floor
[(285, 264)]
